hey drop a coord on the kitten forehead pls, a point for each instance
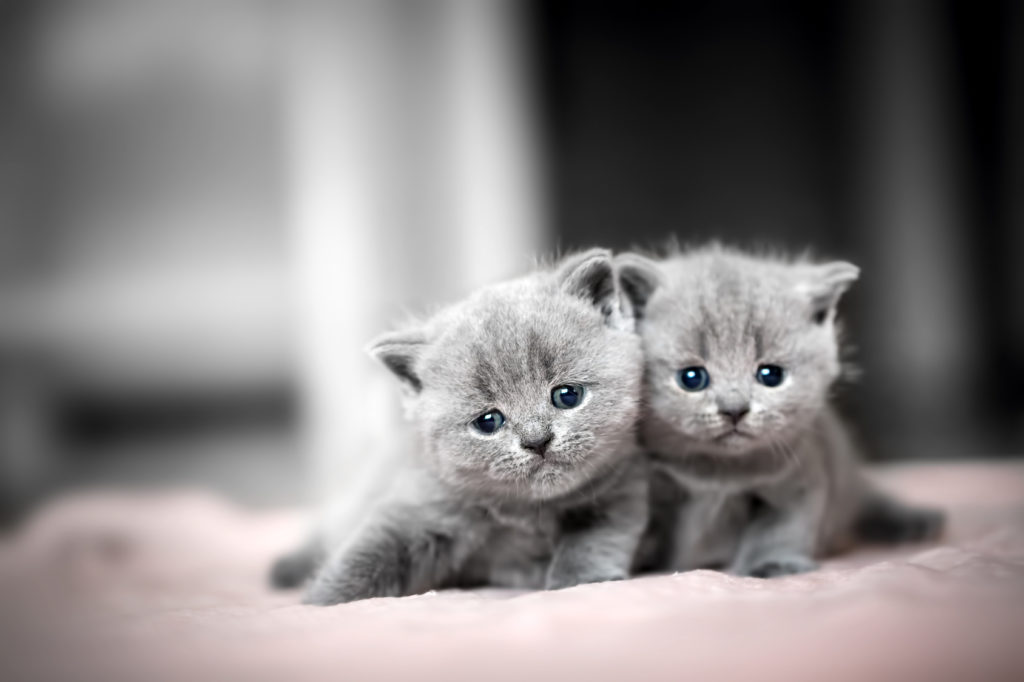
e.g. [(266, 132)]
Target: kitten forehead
[(513, 335), (727, 302)]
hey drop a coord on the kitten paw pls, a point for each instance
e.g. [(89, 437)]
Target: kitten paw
[(558, 582), (321, 594), (771, 568), (334, 586)]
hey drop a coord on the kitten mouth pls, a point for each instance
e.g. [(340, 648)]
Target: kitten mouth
[(549, 478), (541, 467), (548, 466), (733, 434)]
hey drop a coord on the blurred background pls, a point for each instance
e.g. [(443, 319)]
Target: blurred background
[(207, 208)]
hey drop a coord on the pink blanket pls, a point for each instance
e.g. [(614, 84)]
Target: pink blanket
[(132, 587)]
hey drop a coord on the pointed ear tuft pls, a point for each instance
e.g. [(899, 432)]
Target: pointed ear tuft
[(400, 351), (589, 276), (639, 277), (825, 284)]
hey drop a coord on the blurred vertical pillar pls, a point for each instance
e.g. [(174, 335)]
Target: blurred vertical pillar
[(1013, 212), (413, 180), (28, 458), (908, 201)]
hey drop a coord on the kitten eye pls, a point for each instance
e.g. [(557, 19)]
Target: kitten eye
[(770, 375), (693, 378), (567, 397), (489, 422)]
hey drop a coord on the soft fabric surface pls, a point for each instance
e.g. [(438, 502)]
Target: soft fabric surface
[(109, 587)]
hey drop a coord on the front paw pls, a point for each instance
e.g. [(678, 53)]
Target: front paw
[(777, 566), (331, 593), (563, 579)]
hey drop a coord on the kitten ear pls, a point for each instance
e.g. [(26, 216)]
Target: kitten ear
[(591, 276), (638, 277), (825, 284), (588, 275), (399, 351)]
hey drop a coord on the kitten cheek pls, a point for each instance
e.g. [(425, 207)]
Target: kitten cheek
[(463, 457)]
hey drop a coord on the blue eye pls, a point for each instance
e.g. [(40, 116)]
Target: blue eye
[(567, 397), (770, 375), (489, 422), (693, 378)]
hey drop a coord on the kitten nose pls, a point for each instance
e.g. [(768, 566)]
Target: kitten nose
[(734, 409), (538, 444)]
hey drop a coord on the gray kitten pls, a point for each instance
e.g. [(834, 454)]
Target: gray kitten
[(525, 399), (754, 471)]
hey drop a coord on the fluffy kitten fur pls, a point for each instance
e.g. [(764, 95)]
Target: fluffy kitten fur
[(484, 509), (768, 493)]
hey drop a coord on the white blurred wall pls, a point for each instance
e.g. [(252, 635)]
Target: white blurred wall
[(415, 178)]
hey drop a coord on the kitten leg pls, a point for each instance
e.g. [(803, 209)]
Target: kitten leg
[(405, 551), (782, 538), (600, 541), (658, 542), (377, 565)]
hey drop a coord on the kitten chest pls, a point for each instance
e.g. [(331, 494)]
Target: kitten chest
[(518, 549), (708, 530)]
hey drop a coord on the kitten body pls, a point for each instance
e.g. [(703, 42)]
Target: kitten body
[(553, 496), (754, 478)]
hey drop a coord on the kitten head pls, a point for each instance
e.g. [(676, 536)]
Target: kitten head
[(740, 351), (527, 389)]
